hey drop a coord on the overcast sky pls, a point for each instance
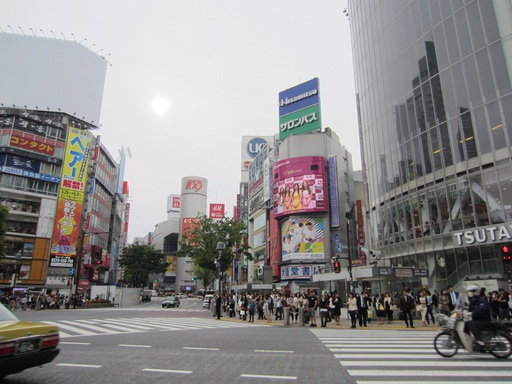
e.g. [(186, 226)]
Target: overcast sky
[(218, 64)]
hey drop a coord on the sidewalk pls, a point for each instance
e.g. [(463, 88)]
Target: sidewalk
[(397, 325)]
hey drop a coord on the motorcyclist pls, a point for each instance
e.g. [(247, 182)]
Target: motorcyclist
[(478, 315)]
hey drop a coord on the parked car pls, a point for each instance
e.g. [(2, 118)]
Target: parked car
[(24, 344), (171, 302)]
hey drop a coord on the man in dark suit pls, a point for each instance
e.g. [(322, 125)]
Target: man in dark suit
[(407, 304), (454, 298), (362, 309)]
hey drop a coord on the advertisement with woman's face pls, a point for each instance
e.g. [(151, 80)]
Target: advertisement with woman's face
[(298, 186)]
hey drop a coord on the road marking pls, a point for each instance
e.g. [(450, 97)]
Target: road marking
[(166, 371), (79, 365), (70, 328), (72, 343), (271, 351), (202, 349), (452, 363), (419, 372), (357, 349), (134, 345), (269, 377), (425, 382)]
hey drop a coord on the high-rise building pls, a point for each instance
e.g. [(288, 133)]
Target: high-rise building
[(434, 97)]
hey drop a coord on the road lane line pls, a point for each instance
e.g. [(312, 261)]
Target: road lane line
[(268, 377), (202, 348), (358, 349), (134, 345), (73, 343), (166, 371), (78, 365), (271, 351)]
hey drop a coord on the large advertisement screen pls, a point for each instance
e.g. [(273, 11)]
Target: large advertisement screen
[(299, 109), (71, 193), (299, 186), (302, 238)]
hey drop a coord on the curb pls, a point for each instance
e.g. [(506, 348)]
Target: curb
[(344, 326)]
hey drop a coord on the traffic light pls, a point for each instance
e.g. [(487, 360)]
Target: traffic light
[(98, 261), (505, 253), (337, 267), (193, 279)]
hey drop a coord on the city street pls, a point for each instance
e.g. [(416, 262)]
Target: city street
[(148, 344)]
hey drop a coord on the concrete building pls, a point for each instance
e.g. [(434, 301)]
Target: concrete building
[(433, 84), (50, 163)]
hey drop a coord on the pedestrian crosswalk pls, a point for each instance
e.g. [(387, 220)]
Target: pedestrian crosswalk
[(112, 326), (386, 357)]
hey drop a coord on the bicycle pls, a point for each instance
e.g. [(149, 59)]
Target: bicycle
[(14, 305)]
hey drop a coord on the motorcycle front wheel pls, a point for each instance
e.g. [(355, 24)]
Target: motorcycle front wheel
[(445, 344), (500, 346)]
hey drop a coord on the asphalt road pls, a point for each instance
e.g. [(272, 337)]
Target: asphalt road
[(182, 345), (148, 344)]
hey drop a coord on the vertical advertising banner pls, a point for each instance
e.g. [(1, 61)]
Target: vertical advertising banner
[(71, 192), (298, 186), (333, 192), (299, 109), (188, 224)]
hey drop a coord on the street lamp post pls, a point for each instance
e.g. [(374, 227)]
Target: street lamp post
[(220, 248)]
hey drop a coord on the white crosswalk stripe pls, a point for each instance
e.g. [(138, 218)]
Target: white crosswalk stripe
[(385, 357), (113, 326)]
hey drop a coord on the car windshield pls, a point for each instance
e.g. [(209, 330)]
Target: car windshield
[(6, 315)]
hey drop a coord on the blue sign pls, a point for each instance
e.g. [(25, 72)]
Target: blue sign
[(255, 145), (299, 97)]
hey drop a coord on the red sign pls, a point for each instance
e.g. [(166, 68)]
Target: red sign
[(35, 144), (187, 225), (217, 211), (194, 184)]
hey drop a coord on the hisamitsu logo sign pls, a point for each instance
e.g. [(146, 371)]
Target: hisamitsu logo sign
[(299, 109)]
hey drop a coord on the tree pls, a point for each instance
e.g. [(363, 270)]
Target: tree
[(203, 274), (200, 243), (141, 260), (4, 212)]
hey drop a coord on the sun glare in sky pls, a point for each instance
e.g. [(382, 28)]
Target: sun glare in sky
[(160, 106)]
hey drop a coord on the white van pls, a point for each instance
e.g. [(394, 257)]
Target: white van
[(208, 299)]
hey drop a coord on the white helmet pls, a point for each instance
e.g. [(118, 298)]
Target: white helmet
[(472, 288)]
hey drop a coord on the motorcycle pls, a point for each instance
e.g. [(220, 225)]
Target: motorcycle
[(497, 337)]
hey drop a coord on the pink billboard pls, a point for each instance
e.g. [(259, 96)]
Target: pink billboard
[(299, 186)]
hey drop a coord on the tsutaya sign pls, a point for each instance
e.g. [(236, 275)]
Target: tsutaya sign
[(484, 235)]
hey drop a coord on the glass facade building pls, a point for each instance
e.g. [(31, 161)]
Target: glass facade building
[(434, 97)]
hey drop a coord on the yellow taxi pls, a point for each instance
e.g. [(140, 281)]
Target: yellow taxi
[(25, 345)]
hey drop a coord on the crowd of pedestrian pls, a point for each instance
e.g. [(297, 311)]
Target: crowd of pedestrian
[(299, 308), (40, 301)]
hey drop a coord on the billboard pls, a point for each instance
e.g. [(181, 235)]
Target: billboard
[(71, 192), (299, 271), (299, 186), (57, 74), (333, 192), (217, 210), (173, 203), (299, 109), (302, 238), (251, 146)]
